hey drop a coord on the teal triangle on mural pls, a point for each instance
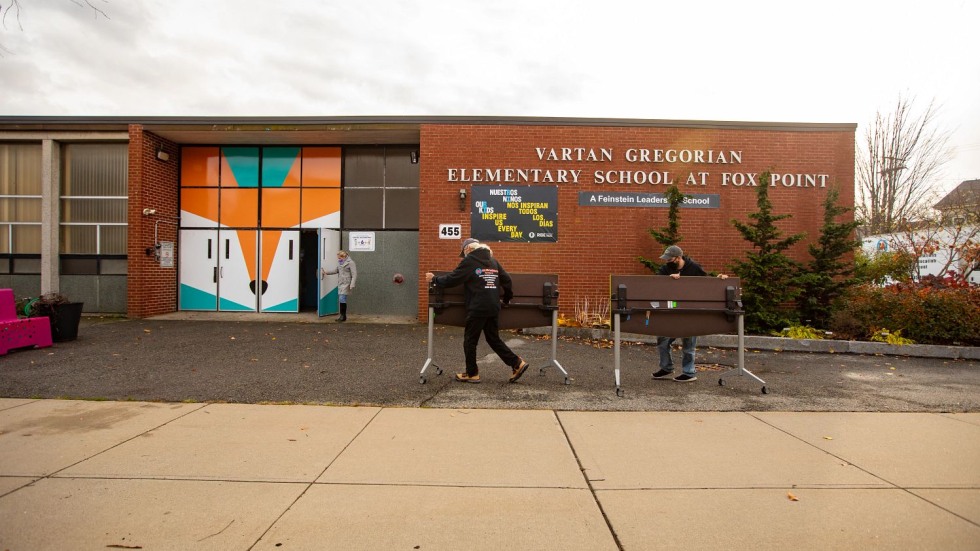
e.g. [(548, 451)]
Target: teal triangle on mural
[(192, 298), (329, 303), (231, 306), (244, 163), (276, 164), (288, 306)]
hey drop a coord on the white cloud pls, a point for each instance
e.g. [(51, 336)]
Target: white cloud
[(761, 60)]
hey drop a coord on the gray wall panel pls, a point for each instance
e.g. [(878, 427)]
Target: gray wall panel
[(376, 293)]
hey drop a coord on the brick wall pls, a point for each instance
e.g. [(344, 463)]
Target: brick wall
[(152, 290), (594, 242)]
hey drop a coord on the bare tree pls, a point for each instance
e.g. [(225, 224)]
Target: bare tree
[(903, 155), (10, 11)]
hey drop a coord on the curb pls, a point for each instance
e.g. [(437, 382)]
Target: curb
[(781, 344)]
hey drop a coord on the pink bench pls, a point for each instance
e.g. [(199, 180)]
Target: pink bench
[(20, 332)]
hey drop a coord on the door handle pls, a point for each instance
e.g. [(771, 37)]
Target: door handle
[(214, 272)]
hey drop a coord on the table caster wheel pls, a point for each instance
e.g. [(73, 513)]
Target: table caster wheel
[(721, 382), (619, 392), (765, 390), (422, 380), (567, 381)]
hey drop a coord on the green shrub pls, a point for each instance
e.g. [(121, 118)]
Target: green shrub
[(925, 314)]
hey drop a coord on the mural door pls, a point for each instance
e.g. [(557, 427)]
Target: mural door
[(198, 257), (327, 293), (279, 288), (237, 284)]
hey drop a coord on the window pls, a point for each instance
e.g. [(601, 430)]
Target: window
[(381, 188), (20, 198), (94, 199)]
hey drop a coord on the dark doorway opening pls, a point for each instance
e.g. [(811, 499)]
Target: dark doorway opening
[(309, 267)]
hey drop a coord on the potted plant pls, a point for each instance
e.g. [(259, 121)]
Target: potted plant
[(64, 314)]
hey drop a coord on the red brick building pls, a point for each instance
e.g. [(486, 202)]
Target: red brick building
[(574, 197)]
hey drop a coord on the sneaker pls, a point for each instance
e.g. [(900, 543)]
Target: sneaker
[(464, 378), (518, 371), (663, 374), (685, 378)]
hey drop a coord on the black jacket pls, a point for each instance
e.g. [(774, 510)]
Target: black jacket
[(691, 268), (484, 281)]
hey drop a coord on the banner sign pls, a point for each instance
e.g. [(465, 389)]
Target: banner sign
[(527, 214), (627, 199)]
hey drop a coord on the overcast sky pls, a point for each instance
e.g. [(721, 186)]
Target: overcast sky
[(779, 61)]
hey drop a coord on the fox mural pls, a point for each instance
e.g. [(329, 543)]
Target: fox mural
[(241, 212)]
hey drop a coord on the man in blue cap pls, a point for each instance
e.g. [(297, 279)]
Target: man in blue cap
[(678, 265)]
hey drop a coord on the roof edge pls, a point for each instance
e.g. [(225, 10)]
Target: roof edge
[(17, 120)]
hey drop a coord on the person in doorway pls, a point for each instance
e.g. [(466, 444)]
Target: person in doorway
[(347, 269), (482, 278), (678, 265)]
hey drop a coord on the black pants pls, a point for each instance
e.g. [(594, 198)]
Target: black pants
[(471, 337)]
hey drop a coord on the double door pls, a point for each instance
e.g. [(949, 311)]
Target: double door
[(252, 270)]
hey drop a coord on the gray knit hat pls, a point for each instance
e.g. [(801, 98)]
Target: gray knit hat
[(466, 243)]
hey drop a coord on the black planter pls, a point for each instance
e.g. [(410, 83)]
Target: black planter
[(64, 321)]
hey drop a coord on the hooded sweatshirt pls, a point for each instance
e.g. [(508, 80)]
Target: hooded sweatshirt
[(484, 280)]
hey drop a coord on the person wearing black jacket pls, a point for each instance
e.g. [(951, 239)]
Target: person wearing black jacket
[(482, 278), (679, 265)]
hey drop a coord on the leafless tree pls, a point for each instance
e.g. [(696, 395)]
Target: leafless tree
[(903, 155), (10, 11)]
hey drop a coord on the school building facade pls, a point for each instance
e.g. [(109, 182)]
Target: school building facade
[(150, 215)]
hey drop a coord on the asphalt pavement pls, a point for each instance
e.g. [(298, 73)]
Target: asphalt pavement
[(238, 359)]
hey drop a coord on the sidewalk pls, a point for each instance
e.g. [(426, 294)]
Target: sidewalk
[(138, 475)]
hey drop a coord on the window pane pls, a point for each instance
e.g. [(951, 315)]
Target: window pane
[(97, 170), (20, 210), (239, 167), (280, 208), (199, 207), (399, 170), (321, 167), (27, 240), (79, 266), (239, 208), (114, 266), (113, 239), (362, 208), (280, 167), (199, 166), (364, 167), (94, 210), (4, 265), (402, 209), (20, 169), (4, 239), (27, 265), (79, 239)]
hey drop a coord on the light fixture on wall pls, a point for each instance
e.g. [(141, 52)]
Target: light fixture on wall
[(462, 199), (149, 212), (162, 155), (414, 157)]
